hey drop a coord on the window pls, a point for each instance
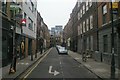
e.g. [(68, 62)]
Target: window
[(78, 30), (30, 25), (26, 1), (104, 11), (14, 1), (87, 24), (105, 43), (104, 8), (87, 5), (91, 42), (4, 6), (34, 28), (91, 22), (83, 9), (81, 28), (25, 15), (84, 26), (32, 6), (78, 4), (90, 3), (78, 15), (87, 43)]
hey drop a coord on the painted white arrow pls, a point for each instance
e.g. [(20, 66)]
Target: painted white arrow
[(54, 73)]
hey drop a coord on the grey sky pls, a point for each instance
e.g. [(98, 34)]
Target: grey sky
[(55, 12)]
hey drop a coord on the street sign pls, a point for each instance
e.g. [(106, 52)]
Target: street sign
[(23, 22), (115, 5), (115, 11)]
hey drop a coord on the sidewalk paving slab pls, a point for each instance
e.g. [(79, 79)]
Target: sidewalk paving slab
[(99, 68)]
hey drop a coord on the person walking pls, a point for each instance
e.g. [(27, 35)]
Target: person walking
[(22, 48)]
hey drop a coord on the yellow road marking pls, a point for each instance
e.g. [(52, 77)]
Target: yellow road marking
[(36, 64)]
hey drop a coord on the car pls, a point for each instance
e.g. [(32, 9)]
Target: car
[(57, 47), (62, 50)]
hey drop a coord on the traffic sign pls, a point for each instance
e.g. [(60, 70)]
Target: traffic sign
[(23, 22)]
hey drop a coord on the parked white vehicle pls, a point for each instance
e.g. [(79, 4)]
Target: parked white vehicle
[(62, 50)]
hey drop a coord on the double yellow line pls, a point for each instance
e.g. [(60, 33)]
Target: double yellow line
[(29, 72)]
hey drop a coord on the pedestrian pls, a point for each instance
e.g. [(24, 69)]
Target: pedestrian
[(18, 51), (41, 49), (22, 47), (84, 56)]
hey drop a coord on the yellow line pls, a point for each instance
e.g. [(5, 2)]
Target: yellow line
[(36, 64)]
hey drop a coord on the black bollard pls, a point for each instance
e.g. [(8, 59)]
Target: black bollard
[(113, 67)]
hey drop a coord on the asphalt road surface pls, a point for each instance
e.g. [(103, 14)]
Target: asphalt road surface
[(60, 66)]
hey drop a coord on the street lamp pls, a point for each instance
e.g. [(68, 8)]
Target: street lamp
[(113, 50), (13, 64)]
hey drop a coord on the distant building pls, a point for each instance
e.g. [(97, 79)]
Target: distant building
[(56, 35)]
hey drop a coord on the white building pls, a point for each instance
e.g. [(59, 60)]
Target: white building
[(29, 11)]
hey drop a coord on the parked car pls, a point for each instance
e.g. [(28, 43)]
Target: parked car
[(57, 47), (62, 50)]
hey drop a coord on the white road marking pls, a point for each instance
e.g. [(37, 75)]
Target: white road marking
[(26, 63), (54, 73), (60, 62), (77, 58), (50, 68), (22, 63)]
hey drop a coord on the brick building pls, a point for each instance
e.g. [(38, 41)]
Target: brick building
[(90, 25), (105, 32), (87, 24)]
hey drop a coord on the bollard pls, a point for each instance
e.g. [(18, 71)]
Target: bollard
[(31, 55), (101, 57), (113, 67)]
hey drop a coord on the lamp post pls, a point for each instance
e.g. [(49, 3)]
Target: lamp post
[(113, 59), (13, 63)]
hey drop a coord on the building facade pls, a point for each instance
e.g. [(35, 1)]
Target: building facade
[(87, 27), (90, 29), (12, 14), (29, 11), (39, 31), (105, 32), (67, 34), (7, 46)]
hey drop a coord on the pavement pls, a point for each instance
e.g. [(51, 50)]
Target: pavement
[(21, 66), (101, 69)]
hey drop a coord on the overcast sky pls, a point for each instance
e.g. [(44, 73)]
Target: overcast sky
[(55, 12)]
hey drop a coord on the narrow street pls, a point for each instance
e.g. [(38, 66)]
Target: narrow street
[(60, 66)]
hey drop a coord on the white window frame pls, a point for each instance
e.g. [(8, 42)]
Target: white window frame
[(90, 3), (83, 9), (104, 9), (91, 42), (87, 6), (87, 24), (78, 30), (83, 26), (80, 13), (91, 21), (78, 4)]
